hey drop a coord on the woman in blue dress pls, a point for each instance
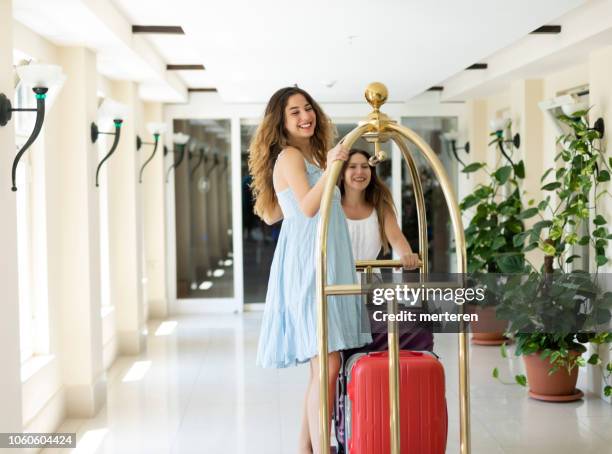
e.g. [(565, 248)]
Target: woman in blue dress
[(288, 160)]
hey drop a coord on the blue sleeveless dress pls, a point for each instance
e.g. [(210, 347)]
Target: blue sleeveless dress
[(289, 328)]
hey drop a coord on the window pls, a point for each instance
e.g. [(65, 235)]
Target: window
[(23, 124), (31, 226)]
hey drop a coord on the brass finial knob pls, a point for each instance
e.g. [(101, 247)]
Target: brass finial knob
[(376, 94)]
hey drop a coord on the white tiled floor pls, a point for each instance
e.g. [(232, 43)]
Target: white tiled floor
[(203, 394)]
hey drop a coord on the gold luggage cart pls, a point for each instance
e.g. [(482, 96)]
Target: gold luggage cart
[(379, 128)]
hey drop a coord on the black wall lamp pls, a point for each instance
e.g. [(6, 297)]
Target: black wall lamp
[(571, 109), (156, 129), (499, 127), (452, 137), (180, 140), (40, 78), (203, 159), (118, 113), (204, 182), (215, 164)]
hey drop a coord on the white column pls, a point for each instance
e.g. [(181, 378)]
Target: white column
[(476, 113), (10, 382), (236, 181), (74, 224), (124, 229), (528, 121), (153, 200), (600, 97)]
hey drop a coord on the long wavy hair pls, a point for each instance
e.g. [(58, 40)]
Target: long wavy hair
[(271, 138), (377, 194)]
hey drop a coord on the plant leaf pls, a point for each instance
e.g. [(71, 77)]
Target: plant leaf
[(571, 258), (519, 169), (599, 220), (473, 167), (502, 174), (545, 175), (551, 186), (549, 249), (604, 175), (521, 380), (528, 213), (594, 359), (519, 239), (511, 263), (496, 373)]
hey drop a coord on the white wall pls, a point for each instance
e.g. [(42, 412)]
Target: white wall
[(10, 381)]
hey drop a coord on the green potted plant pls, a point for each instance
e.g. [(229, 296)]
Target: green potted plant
[(496, 219), (556, 310)]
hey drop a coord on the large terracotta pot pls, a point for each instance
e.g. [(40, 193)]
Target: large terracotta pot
[(488, 330), (558, 387)]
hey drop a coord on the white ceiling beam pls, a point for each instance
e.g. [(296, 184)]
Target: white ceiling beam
[(535, 56), (141, 48)]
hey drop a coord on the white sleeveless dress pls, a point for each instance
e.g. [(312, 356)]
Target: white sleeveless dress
[(365, 237)]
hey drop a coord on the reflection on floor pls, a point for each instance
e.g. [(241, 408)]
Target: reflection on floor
[(197, 390), (216, 283)]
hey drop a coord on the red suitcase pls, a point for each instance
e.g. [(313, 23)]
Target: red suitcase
[(423, 415)]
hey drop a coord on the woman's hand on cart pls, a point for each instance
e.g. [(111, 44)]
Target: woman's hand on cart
[(411, 261)]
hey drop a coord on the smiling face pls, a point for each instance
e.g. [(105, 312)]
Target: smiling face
[(300, 118), (358, 173)]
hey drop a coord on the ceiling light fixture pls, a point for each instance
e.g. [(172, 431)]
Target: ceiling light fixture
[(158, 29), (180, 140), (190, 67), (478, 66), (156, 129), (117, 112), (40, 78)]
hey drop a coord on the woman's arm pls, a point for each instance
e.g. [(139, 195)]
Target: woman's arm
[(398, 241), (292, 171), (274, 216)]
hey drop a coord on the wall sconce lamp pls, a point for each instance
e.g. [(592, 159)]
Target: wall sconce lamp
[(204, 182), (452, 137), (40, 78), (499, 126), (180, 140), (202, 159), (571, 109), (116, 111), (156, 129), (215, 164)]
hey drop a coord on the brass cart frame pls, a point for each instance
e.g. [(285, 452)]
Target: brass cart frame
[(378, 128)]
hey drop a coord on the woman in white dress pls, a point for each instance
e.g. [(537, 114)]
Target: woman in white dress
[(372, 224), (370, 213)]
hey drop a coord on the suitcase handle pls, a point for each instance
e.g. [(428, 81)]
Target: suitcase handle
[(402, 354)]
